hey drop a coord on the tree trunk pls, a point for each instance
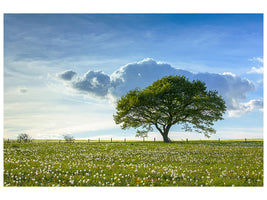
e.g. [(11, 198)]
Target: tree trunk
[(166, 139), (164, 132)]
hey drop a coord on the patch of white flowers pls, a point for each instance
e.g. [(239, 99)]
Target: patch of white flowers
[(137, 164)]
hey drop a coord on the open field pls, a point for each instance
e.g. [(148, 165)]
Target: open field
[(196, 163)]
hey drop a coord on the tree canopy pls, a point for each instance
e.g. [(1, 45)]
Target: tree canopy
[(169, 101)]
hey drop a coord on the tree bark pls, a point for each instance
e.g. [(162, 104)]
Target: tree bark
[(166, 132), (166, 139)]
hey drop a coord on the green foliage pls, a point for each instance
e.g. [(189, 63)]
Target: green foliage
[(206, 163), (142, 133), (24, 137), (169, 101)]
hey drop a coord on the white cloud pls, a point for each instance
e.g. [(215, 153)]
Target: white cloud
[(257, 59), (255, 70), (143, 73), (244, 108), (229, 73)]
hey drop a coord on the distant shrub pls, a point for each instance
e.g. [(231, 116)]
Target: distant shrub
[(24, 137), (68, 138)]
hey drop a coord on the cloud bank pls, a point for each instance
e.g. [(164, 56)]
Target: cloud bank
[(142, 74)]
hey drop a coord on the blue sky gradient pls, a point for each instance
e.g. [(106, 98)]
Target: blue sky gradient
[(40, 49)]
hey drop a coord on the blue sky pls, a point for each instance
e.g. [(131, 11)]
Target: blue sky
[(63, 72)]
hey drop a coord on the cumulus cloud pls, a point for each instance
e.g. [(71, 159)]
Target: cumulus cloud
[(142, 74), (94, 83), (67, 75), (139, 74)]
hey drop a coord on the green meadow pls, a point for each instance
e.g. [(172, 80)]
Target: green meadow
[(193, 163)]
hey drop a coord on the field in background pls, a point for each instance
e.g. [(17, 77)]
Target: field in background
[(118, 163)]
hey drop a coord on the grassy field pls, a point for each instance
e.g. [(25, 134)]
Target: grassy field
[(196, 163)]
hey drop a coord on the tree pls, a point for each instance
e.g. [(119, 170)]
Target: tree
[(68, 138), (141, 133), (24, 137), (169, 101)]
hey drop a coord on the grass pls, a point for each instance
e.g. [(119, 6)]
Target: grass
[(196, 163)]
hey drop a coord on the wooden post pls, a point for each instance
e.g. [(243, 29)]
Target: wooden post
[(143, 139), (124, 139), (219, 140), (59, 141), (245, 140), (98, 140), (88, 140), (111, 140), (186, 139), (154, 139), (8, 140)]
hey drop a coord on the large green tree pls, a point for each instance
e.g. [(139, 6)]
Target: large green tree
[(169, 101)]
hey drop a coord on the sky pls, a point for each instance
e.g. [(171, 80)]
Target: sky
[(64, 72)]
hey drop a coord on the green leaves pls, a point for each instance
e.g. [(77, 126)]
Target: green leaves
[(168, 101)]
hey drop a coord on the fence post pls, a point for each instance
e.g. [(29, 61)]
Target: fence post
[(245, 140), (154, 139), (111, 140), (88, 140), (98, 140), (124, 139), (219, 140), (8, 140), (186, 139)]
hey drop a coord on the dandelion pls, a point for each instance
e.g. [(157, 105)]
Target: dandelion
[(145, 164)]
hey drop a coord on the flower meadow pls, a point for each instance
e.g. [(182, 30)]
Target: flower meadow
[(195, 163)]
